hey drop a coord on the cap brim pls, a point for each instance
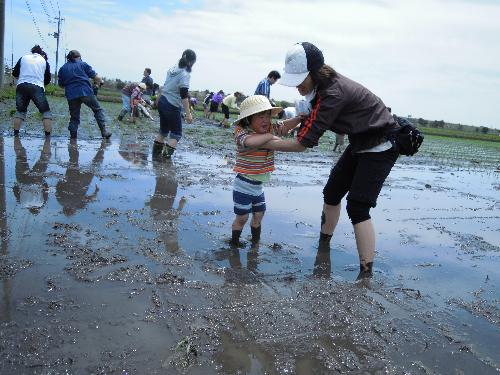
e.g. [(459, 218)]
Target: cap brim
[(292, 80)]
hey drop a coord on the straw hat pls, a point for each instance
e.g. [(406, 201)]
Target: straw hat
[(142, 85), (255, 104)]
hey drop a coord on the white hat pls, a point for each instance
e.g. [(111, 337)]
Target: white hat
[(142, 85), (255, 104), (300, 59)]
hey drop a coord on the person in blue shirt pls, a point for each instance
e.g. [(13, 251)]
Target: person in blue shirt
[(75, 77), (264, 86)]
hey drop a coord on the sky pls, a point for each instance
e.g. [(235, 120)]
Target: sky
[(435, 59)]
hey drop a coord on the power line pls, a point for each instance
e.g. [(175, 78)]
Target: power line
[(44, 7), (52, 6), (36, 25)]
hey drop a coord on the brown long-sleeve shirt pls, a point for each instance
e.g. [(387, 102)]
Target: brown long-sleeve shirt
[(346, 107)]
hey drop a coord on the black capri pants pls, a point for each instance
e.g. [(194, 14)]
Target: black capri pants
[(360, 176), (225, 110)]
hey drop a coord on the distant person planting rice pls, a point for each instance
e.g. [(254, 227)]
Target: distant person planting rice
[(229, 102), (214, 103)]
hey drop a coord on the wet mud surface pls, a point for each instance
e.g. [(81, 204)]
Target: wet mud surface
[(112, 263)]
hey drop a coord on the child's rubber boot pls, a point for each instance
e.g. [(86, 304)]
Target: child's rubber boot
[(255, 233), (235, 238)]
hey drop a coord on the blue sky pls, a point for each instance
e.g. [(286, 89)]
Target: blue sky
[(436, 59)]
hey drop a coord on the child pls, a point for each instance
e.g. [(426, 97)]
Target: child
[(254, 164)]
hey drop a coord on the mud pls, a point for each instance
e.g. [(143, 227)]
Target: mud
[(112, 263)]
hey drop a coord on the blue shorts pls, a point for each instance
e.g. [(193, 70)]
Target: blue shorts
[(248, 196), (170, 119)]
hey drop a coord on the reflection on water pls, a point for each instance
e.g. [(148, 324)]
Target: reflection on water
[(233, 256), (6, 284), (71, 191), (134, 152), (323, 264), (3, 204), (162, 204), (31, 190)]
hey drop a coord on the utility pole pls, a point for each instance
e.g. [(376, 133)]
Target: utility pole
[(57, 35), (2, 32)]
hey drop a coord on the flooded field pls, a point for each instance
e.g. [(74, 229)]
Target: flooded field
[(112, 263)]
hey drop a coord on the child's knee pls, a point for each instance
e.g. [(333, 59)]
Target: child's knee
[(257, 218), (241, 220)]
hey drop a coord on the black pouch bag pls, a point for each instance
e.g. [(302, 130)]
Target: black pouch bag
[(406, 139)]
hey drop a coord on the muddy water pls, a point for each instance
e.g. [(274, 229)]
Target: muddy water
[(114, 263)]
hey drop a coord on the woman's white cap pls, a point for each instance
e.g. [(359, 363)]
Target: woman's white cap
[(301, 59)]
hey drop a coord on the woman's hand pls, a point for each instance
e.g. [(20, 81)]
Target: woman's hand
[(280, 129)]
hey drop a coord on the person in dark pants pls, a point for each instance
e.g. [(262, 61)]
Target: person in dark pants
[(346, 107), (75, 77), (32, 72), (174, 99)]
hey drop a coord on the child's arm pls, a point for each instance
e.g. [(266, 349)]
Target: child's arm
[(257, 140), (284, 145)]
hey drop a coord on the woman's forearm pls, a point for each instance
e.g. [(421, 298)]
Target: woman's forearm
[(292, 123)]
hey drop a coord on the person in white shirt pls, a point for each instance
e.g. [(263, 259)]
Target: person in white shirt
[(230, 101), (32, 72)]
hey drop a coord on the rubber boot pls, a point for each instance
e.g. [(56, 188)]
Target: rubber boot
[(122, 114), (104, 133), (255, 233), (168, 151), (235, 237), (157, 150), (365, 271)]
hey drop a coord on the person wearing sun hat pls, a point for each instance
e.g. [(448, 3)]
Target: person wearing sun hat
[(253, 165), (342, 106), (129, 92)]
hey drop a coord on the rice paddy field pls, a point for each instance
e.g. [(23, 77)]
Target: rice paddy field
[(113, 262)]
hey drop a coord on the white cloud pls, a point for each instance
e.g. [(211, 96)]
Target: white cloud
[(432, 59)]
